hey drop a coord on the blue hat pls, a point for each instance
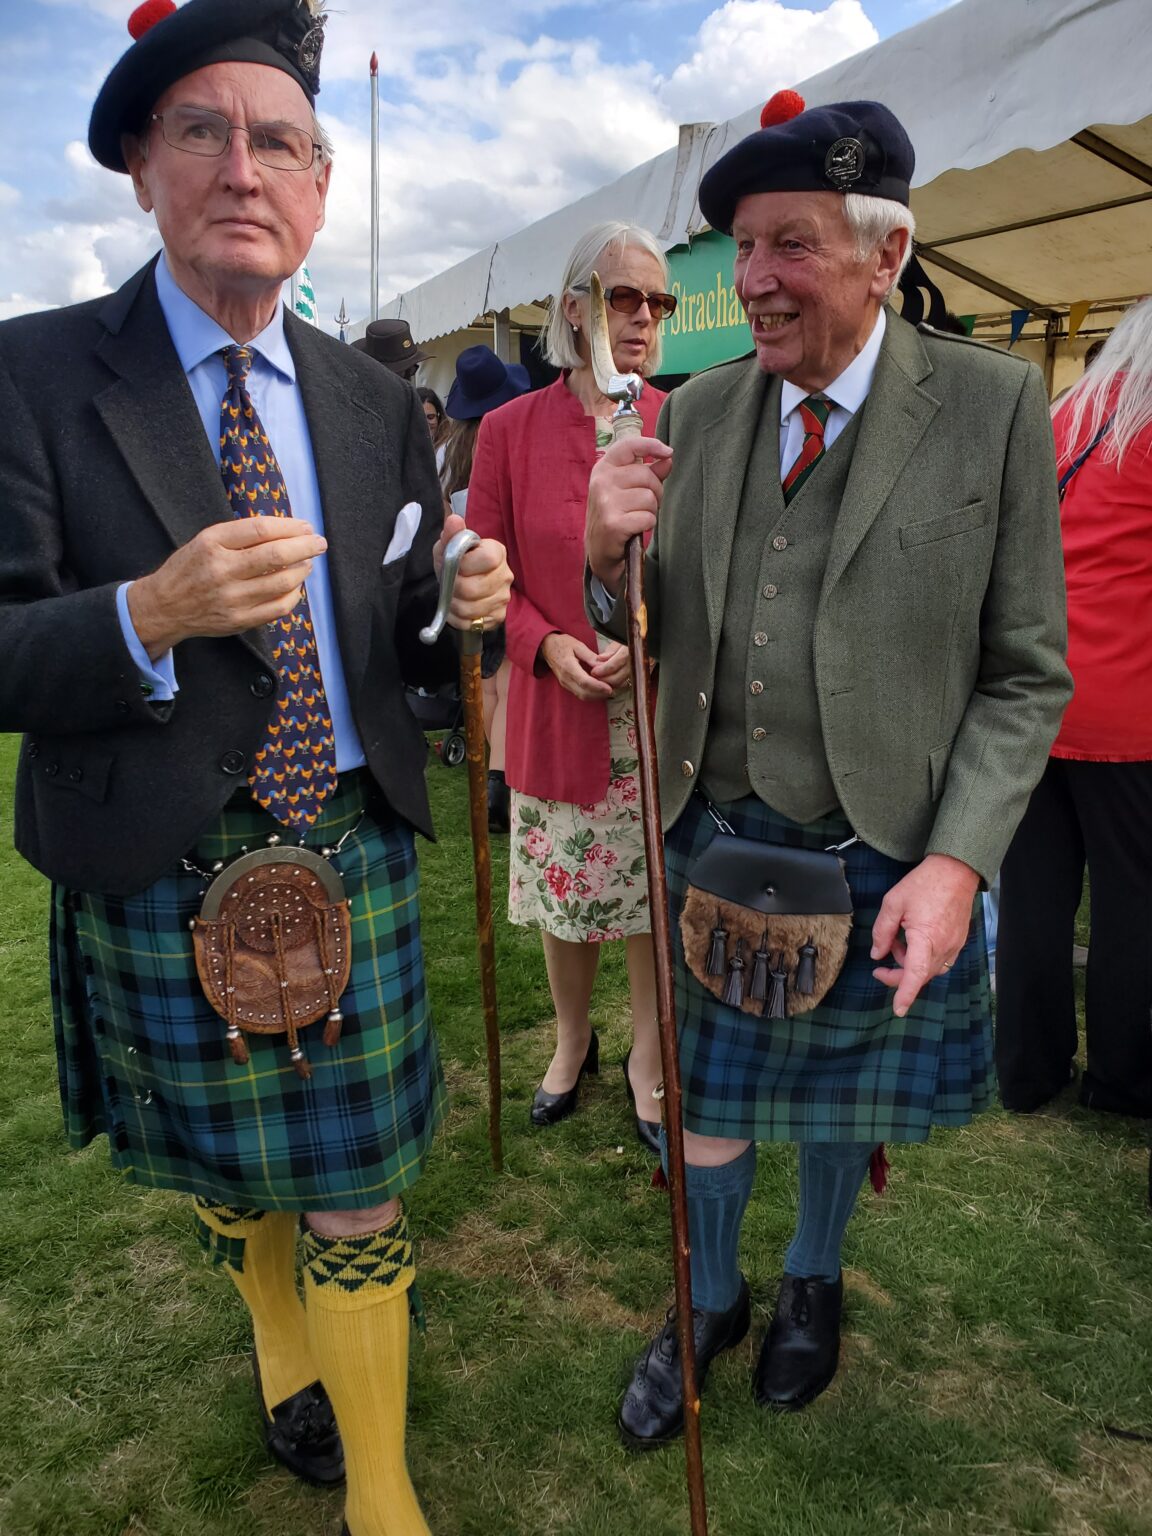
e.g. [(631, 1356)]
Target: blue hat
[(848, 146), (172, 42), (482, 383)]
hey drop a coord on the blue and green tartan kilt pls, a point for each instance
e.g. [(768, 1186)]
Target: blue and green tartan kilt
[(848, 1070), (144, 1058)]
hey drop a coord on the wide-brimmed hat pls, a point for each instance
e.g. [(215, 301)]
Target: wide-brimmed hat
[(390, 342), (172, 42), (482, 383), (847, 146)]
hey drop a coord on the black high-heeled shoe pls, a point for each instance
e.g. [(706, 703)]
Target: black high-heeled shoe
[(647, 1131), (549, 1108)]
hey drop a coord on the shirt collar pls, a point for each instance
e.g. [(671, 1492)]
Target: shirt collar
[(850, 390), (198, 338)]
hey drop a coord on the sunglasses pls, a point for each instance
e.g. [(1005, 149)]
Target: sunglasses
[(626, 301)]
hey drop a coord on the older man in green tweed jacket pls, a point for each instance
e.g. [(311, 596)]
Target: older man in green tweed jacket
[(856, 598)]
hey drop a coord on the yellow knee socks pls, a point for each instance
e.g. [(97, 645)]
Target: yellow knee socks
[(258, 1249), (357, 1295)]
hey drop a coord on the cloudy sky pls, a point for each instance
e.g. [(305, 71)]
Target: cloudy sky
[(491, 115)]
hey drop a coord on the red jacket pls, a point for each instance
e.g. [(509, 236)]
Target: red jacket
[(529, 489), (1106, 527)]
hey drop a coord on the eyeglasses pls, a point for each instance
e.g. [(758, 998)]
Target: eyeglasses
[(626, 301), (279, 146)]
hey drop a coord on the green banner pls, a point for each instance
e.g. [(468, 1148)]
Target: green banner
[(709, 325)]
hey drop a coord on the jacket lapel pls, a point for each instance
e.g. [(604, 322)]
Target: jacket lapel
[(728, 440), (151, 415), (357, 467), (894, 419)]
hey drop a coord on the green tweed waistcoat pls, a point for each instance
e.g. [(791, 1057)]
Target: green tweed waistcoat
[(764, 734)]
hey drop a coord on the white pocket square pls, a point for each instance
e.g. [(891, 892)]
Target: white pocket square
[(407, 522)]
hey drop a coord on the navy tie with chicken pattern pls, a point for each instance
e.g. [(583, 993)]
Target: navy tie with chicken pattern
[(295, 768)]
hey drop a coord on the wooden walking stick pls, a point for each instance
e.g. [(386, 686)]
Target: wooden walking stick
[(471, 692), (625, 390)]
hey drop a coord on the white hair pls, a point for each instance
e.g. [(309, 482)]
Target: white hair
[(872, 220), (556, 340), (1118, 383)]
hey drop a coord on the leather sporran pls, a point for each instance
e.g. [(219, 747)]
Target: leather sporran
[(273, 948), (766, 927)]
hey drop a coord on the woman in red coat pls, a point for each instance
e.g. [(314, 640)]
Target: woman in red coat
[(577, 855), (1094, 804)]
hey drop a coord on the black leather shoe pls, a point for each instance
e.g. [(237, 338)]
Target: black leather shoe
[(802, 1349), (549, 1108), (652, 1412), (498, 801), (301, 1434), (647, 1131)]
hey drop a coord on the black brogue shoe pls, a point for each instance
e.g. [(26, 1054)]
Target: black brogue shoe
[(802, 1347), (652, 1412), (301, 1434)]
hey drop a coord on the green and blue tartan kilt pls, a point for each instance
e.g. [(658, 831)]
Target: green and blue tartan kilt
[(144, 1058), (848, 1070)]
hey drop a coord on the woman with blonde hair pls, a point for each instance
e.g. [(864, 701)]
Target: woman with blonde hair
[(1093, 807), (577, 857)]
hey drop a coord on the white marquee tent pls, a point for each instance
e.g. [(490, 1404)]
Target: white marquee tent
[(1032, 121)]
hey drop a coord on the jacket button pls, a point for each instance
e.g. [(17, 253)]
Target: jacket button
[(232, 762), (759, 733), (771, 590), (756, 688), (779, 542), (51, 769), (263, 686), (759, 638), (122, 706), (701, 701), (33, 749), (687, 769), (75, 774)]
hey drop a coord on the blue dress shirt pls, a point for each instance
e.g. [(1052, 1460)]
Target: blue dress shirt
[(272, 384)]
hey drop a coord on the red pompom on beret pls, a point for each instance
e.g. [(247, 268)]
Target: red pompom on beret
[(148, 14), (780, 108)]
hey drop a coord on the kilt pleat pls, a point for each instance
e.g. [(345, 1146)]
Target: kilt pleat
[(144, 1058), (848, 1070)]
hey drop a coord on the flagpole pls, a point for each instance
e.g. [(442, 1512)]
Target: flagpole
[(374, 306)]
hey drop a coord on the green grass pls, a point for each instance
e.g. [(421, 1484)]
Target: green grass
[(999, 1311)]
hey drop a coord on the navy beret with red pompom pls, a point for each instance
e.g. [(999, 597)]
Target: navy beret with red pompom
[(172, 41), (847, 146)]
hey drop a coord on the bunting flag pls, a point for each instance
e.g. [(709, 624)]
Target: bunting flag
[(968, 322), (1077, 314), (1019, 321), (304, 296)]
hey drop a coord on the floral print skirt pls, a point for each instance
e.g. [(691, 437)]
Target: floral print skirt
[(578, 871)]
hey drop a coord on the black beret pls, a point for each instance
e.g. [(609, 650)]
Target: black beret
[(172, 43), (848, 146)]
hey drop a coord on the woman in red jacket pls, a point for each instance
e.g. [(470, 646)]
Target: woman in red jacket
[(1094, 803), (577, 855)]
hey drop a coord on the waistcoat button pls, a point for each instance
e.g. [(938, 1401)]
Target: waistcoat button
[(232, 762), (771, 590), (701, 701), (756, 688), (779, 542), (687, 769), (759, 733), (759, 638)]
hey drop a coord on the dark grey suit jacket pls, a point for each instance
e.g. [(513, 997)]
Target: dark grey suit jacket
[(104, 471)]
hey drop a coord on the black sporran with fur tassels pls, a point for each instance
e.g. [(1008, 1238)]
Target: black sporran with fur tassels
[(765, 927)]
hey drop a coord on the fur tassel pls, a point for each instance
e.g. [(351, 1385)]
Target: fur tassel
[(758, 991), (775, 1007), (734, 990), (717, 954)]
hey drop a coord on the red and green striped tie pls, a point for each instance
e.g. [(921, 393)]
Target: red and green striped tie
[(814, 414), (295, 768)]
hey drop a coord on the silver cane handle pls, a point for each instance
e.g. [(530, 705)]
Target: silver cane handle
[(458, 546)]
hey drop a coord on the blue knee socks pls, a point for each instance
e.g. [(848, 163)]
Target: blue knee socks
[(831, 1173), (717, 1200)]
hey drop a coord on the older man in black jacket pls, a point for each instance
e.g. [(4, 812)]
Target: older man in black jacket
[(220, 530)]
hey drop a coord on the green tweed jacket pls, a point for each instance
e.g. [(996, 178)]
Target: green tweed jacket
[(937, 634)]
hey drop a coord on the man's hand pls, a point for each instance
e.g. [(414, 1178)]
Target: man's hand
[(572, 662), (231, 577), (623, 499), (483, 580), (923, 924)]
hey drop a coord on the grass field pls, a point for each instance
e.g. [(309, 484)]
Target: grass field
[(999, 1311)]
